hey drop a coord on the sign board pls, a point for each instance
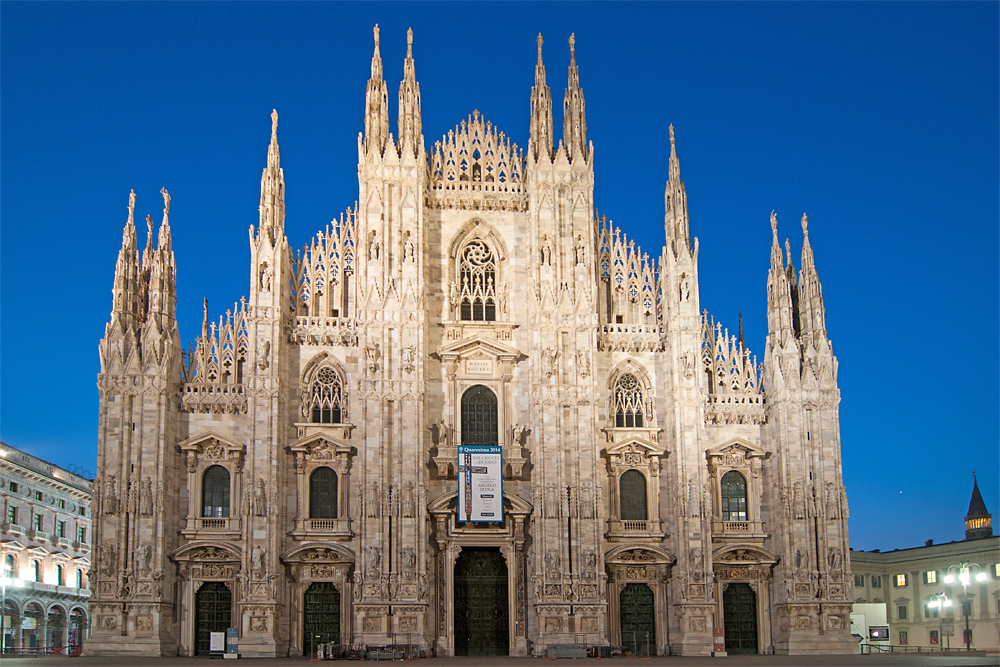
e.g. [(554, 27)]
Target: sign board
[(232, 642), (480, 483), (217, 641)]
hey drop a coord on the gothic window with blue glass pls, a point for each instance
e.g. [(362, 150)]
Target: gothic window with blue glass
[(628, 402)]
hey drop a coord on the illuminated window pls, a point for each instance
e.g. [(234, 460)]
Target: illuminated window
[(934, 637), (61, 504), (60, 529), (931, 611), (996, 570), (876, 581), (12, 514), (38, 495), (36, 523), (930, 577), (903, 639), (900, 580), (81, 534)]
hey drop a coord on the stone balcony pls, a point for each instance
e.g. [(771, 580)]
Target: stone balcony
[(635, 530), (212, 528), (630, 337), (322, 529)]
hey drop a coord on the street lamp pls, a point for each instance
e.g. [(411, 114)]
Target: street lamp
[(939, 601), (965, 578), (6, 581)]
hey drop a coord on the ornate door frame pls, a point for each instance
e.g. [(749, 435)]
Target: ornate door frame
[(752, 565), (451, 536), (311, 562), (198, 563), (639, 564)]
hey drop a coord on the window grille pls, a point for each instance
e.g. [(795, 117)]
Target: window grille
[(479, 417)]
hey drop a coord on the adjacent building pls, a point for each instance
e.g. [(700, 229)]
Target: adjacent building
[(468, 415), (44, 554), (924, 606)]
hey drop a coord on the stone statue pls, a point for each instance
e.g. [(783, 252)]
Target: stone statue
[(374, 562), (146, 498), (257, 561), (260, 499)]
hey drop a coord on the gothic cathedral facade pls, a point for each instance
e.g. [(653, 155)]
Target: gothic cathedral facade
[(296, 474)]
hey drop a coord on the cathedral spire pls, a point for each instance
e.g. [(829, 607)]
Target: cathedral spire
[(780, 308), (409, 103), (272, 189), (540, 142), (812, 313), (125, 291), (161, 273), (574, 117), (376, 106), (675, 205)]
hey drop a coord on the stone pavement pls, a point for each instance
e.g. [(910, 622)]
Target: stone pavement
[(975, 659)]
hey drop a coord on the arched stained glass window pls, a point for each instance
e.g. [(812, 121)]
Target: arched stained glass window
[(628, 402), (478, 279), (479, 417), (326, 398), (215, 492), (323, 494), (734, 497), (632, 493)]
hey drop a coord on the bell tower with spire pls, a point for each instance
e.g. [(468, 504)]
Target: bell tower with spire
[(978, 521)]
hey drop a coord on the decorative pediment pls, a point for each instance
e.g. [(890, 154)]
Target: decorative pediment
[(736, 452), (736, 554), (634, 451), (320, 447), (207, 552), (646, 554), (311, 552), (212, 447), (479, 347)]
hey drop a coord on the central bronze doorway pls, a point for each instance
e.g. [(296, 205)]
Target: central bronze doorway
[(481, 615)]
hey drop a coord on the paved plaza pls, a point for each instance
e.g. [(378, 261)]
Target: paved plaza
[(975, 659)]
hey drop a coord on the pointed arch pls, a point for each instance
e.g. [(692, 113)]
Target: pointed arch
[(323, 391)]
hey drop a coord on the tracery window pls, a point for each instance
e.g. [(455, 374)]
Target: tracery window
[(632, 492), (479, 417), (215, 492), (628, 402), (326, 398), (478, 277), (323, 494), (734, 497)]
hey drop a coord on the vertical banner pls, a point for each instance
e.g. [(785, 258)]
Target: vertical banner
[(480, 483)]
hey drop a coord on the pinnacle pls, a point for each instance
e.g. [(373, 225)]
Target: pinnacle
[(274, 125)]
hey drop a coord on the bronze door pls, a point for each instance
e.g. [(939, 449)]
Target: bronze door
[(481, 616), (321, 617), (213, 612), (638, 618), (739, 609)]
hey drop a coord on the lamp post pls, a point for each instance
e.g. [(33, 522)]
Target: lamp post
[(939, 601), (964, 577), (6, 581)]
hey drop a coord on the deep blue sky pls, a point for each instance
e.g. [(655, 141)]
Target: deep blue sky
[(878, 120)]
